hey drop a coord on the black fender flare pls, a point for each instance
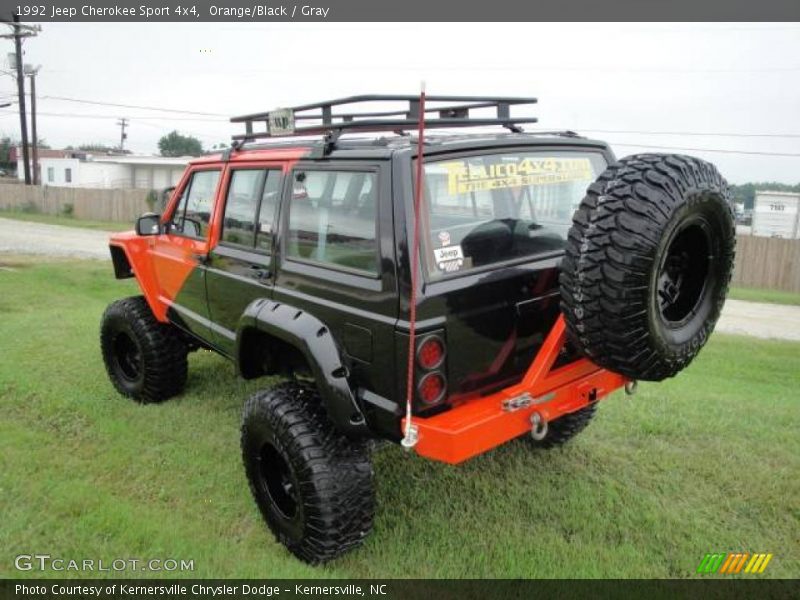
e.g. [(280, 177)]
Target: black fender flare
[(314, 340)]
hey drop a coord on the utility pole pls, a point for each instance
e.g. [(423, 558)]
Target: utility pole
[(20, 32), (123, 123), (31, 72), (23, 122)]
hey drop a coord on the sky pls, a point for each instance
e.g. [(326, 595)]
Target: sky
[(641, 86)]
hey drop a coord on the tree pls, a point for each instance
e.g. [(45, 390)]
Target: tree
[(175, 144), (6, 144)]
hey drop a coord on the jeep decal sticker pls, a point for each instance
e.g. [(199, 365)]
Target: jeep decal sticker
[(463, 177), (449, 258)]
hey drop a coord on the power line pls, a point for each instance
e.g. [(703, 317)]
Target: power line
[(623, 131), (657, 147), (119, 105), (134, 117), (717, 150), (692, 133)]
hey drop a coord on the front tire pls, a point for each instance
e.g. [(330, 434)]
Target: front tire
[(145, 359), (312, 484)]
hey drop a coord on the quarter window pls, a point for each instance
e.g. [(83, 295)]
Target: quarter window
[(332, 219), (193, 213), (250, 208)]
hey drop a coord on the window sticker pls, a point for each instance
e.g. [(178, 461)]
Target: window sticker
[(449, 258), (463, 177), (444, 238)]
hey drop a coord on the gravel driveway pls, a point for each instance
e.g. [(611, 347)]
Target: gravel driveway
[(22, 237), (760, 320), (745, 318)]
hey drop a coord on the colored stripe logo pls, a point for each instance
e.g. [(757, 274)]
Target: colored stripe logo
[(734, 562)]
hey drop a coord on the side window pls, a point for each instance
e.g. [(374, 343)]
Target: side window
[(250, 208), (332, 218), (241, 207), (266, 214), (193, 213)]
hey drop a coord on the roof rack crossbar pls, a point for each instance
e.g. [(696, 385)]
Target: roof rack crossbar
[(451, 111)]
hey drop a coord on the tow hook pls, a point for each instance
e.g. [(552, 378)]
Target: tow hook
[(630, 387), (538, 427)]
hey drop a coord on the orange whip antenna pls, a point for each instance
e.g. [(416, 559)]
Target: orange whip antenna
[(410, 433)]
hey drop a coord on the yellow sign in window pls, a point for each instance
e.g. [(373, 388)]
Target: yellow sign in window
[(463, 177)]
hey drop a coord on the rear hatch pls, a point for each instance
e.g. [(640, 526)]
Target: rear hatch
[(494, 226)]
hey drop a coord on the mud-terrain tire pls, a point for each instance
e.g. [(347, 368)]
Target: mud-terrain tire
[(312, 484), (145, 359), (563, 429), (648, 261)]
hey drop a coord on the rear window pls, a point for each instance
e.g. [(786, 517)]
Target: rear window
[(491, 208)]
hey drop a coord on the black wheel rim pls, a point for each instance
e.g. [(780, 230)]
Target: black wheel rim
[(683, 274), (127, 356), (278, 482)]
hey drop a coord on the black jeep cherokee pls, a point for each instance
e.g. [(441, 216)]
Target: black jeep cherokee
[(548, 274)]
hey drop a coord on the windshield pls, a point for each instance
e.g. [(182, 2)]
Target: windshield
[(495, 207)]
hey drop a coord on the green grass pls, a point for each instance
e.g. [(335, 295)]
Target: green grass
[(708, 461), (36, 217), (770, 296)]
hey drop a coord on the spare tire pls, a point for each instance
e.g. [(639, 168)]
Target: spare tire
[(648, 261)]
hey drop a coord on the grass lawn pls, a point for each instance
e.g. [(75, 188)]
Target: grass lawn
[(64, 220), (770, 296), (706, 462)]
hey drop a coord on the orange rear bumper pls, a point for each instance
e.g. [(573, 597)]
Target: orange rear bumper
[(484, 423)]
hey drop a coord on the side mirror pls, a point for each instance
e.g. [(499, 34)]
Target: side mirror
[(148, 224)]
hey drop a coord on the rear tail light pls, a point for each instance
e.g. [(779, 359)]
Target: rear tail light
[(431, 388), (431, 382), (430, 352)]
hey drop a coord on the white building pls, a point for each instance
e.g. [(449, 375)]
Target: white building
[(82, 169), (777, 214)]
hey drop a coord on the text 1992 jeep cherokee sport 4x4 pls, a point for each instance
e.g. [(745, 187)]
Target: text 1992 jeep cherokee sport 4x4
[(550, 274)]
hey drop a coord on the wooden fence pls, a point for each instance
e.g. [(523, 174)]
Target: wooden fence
[(768, 263), (97, 204)]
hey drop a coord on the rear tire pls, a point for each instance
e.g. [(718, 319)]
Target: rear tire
[(648, 262), (145, 359), (312, 484)]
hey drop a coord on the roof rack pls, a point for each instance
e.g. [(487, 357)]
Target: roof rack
[(453, 111)]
